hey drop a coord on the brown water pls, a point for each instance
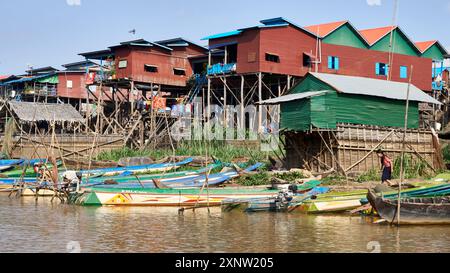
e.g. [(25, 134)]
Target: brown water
[(29, 226)]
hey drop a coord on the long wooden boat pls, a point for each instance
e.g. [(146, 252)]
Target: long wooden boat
[(147, 178), (331, 203), (165, 197), (133, 170), (413, 211), (7, 164), (423, 191), (200, 181), (272, 204)]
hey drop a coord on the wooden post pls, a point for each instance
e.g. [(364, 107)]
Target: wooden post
[(225, 61), (208, 104), (242, 107), (402, 175), (260, 100), (225, 125)]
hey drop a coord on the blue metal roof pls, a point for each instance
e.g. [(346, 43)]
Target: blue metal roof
[(27, 79), (223, 35), (268, 23), (439, 70), (266, 26)]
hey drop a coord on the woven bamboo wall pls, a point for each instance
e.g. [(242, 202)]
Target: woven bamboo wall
[(351, 143), (37, 147)]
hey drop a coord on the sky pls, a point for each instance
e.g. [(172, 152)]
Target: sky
[(52, 32)]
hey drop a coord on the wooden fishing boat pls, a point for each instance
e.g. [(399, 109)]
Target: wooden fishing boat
[(7, 164), (133, 170), (331, 203), (148, 178), (423, 191), (31, 162), (274, 204), (200, 180), (165, 197), (413, 211)]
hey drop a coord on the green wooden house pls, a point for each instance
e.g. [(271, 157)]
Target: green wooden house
[(321, 101)]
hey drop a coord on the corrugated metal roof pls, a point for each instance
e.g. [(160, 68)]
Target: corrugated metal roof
[(28, 79), (424, 46), (223, 35), (97, 55), (267, 23), (373, 35), (323, 30), (32, 112), (374, 87), (293, 97), (178, 42)]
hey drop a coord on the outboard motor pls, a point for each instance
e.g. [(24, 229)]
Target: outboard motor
[(293, 188)]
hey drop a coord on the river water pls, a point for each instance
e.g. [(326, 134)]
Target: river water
[(30, 226)]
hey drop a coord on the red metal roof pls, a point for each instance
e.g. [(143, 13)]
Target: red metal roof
[(324, 30), (424, 46), (4, 77), (373, 35)]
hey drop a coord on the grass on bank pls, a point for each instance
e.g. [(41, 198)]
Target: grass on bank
[(412, 169), (225, 153)]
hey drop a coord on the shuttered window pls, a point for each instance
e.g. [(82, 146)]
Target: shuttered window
[(381, 69), (403, 72), (333, 62)]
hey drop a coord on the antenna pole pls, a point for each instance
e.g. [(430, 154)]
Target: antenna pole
[(391, 41), (402, 174)]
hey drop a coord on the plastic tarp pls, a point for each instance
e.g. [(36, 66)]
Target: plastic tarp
[(50, 79)]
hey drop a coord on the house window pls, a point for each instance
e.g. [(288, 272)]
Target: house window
[(70, 84), (403, 72), (307, 60), (272, 58), (123, 64), (151, 68), (382, 69), (333, 62), (179, 72)]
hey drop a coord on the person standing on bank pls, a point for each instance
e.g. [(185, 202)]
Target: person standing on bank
[(386, 168)]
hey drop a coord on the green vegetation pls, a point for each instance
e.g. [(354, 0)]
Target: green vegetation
[(265, 178), (333, 180), (446, 154), (225, 153), (258, 179), (413, 169), (372, 175), (290, 176), (445, 176)]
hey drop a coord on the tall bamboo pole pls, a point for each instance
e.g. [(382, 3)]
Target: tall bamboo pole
[(402, 174)]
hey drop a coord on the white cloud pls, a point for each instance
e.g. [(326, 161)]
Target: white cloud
[(73, 2), (373, 2)]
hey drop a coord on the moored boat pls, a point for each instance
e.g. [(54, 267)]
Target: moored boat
[(7, 164), (331, 203), (147, 178), (413, 211), (165, 197), (282, 202), (133, 170)]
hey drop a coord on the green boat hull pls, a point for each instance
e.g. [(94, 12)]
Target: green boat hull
[(165, 197)]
